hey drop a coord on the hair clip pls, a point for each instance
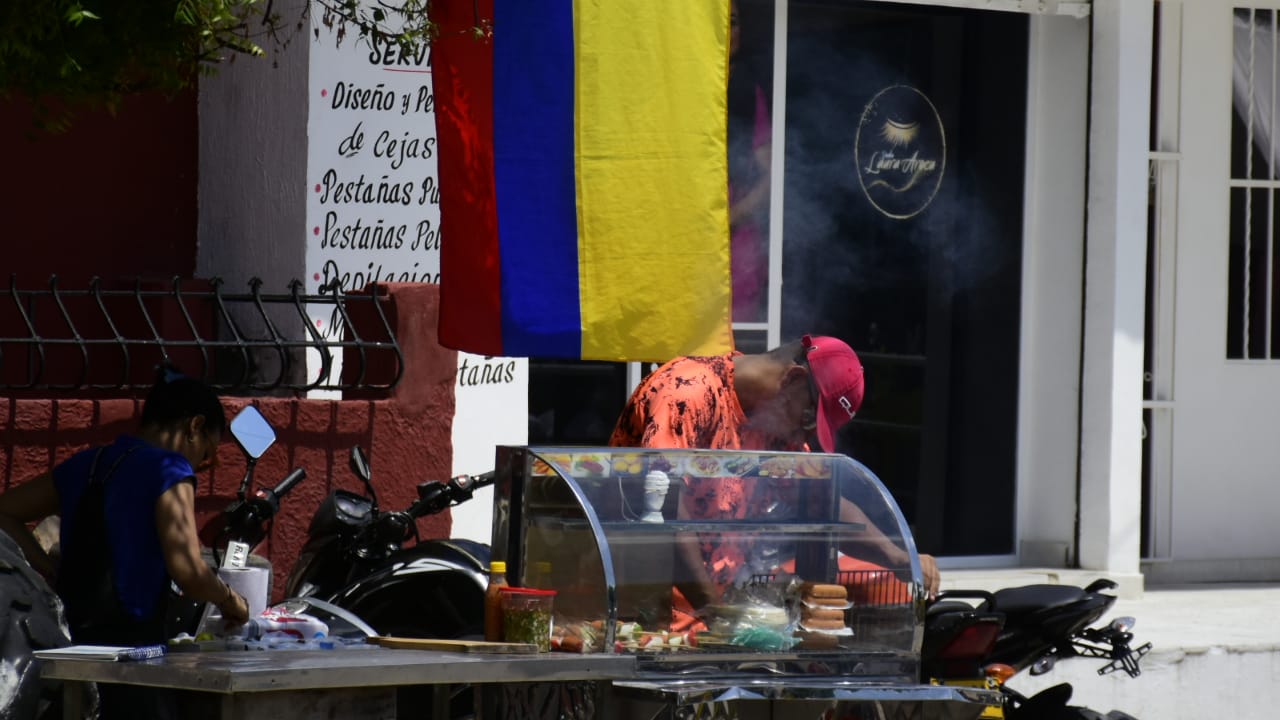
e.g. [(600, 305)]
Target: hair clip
[(169, 374)]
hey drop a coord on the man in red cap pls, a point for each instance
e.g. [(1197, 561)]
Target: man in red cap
[(776, 400)]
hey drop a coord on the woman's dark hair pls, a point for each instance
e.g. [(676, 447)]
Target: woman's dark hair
[(176, 397)]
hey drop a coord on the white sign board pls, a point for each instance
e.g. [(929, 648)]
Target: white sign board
[(373, 214)]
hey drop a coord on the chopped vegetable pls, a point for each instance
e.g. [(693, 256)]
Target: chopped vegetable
[(528, 625)]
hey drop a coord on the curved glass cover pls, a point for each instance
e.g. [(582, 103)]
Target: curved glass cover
[(682, 556)]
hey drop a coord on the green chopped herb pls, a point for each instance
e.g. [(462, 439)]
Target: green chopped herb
[(528, 625)]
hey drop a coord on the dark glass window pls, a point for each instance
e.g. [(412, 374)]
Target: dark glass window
[(574, 402), (903, 233)]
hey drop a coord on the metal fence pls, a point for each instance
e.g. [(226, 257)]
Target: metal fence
[(110, 339)]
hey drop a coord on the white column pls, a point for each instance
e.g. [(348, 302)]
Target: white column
[(1052, 294), (1111, 408)]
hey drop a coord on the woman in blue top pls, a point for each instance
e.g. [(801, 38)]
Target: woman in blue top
[(128, 520)]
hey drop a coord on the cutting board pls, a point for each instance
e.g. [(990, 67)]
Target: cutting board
[(464, 646)]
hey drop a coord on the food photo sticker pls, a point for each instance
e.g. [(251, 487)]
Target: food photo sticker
[(808, 466), (627, 464), (778, 466), (670, 464), (706, 466), (593, 465), (542, 468), (739, 465)]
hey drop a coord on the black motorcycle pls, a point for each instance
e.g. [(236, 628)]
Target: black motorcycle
[(984, 638), (372, 562)]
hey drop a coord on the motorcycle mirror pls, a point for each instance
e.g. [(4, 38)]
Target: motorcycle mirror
[(360, 466), (1123, 624), (252, 432)]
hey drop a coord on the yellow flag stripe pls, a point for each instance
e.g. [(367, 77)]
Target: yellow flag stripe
[(652, 177)]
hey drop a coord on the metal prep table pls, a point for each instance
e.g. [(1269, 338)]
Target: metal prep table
[(347, 683)]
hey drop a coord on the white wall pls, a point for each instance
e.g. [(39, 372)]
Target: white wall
[(1225, 452), (1215, 682)]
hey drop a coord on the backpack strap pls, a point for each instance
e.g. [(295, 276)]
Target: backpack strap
[(93, 468), (86, 580)]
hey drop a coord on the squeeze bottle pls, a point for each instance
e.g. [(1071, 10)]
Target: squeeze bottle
[(493, 601)]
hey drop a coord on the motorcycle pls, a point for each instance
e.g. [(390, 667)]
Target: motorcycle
[(372, 562), (1003, 633)]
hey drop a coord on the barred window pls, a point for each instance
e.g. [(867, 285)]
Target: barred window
[(1253, 312)]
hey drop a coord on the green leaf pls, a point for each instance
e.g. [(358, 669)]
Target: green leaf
[(94, 59)]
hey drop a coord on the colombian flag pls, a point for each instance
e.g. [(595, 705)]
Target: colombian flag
[(583, 177)]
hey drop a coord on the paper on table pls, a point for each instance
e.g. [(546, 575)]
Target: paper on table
[(101, 652)]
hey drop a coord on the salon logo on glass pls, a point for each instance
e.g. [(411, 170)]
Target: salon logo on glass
[(900, 151)]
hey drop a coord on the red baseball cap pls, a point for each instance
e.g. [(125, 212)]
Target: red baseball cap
[(837, 375)]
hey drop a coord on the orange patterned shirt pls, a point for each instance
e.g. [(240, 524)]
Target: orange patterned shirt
[(687, 403), (690, 402)]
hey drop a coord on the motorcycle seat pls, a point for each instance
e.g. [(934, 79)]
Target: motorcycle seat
[(1030, 598), (948, 607)]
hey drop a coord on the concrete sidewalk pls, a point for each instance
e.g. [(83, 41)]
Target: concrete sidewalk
[(1215, 649)]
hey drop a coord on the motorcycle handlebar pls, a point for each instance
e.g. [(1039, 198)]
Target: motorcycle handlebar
[(481, 480), (434, 497), (393, 528), (285, 485), (245, 518)]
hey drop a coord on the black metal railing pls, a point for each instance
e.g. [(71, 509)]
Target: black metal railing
[(106, 340)]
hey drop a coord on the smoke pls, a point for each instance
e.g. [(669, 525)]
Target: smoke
[(851, 269)]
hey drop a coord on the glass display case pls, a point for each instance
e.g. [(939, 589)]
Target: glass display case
[(706, 562)]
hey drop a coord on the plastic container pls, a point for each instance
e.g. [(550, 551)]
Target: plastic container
[(493, 601), (526, 616), (270, 624)]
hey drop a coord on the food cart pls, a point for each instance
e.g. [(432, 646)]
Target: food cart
[(687, 584), (805, 613)]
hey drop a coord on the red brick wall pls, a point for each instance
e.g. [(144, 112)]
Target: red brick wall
[(114, 196)]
